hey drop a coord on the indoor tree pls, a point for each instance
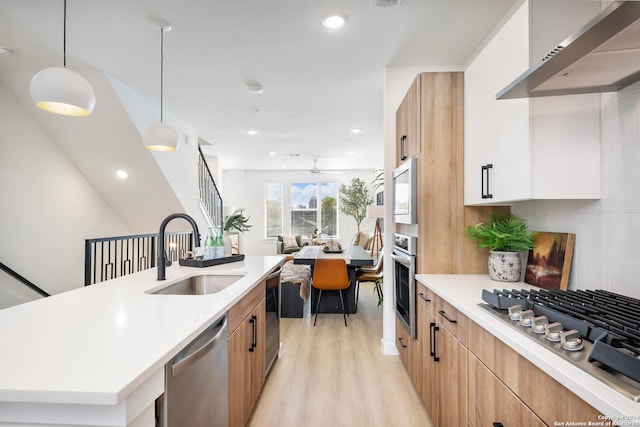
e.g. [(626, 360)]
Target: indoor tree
[(354, 200)]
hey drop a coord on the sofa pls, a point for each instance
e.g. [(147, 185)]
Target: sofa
[(289, 244)]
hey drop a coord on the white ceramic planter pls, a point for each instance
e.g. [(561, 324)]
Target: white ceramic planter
[(504, 266)]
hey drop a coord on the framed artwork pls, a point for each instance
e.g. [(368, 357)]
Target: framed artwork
[(549, 262)]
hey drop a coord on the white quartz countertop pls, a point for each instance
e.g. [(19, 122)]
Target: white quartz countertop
[(464, 292), (97, 344)]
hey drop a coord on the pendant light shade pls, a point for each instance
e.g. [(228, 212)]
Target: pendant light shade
[(161, 136), (60, 90)]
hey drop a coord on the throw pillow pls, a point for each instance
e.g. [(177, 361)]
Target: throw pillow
[(362, 239), (290, 241)]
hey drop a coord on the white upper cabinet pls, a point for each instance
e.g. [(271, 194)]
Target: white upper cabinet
[(539, 148)]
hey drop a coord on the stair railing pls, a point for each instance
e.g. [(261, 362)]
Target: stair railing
[(23, 280), (210, 197), (110, 257)]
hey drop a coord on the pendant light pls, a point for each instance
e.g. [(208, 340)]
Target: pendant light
[(160, 136), (60, 90)]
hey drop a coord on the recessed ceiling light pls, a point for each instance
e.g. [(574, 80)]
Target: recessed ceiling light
[(252, 132), (122, 174), (355, 130), (334, 20), (5, 51), (273, 153), (254, 88), (351, 152)]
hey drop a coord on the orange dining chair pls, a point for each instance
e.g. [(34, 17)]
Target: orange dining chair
[(330, 274), (371, 274)]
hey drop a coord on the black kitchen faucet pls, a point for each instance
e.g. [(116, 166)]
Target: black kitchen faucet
[(162, 256)]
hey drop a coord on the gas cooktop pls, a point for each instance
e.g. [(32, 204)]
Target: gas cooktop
[(598, 331)]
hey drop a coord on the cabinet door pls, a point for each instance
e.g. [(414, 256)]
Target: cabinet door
[(429, 373), (246, 366), (451, 380), (402, 343), (408, 124), (490, 401), (497, 132)]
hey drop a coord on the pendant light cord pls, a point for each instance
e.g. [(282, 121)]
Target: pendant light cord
[(64, 36), (161, 68)]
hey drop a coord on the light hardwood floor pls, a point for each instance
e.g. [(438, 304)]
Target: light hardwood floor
[(332, 376)]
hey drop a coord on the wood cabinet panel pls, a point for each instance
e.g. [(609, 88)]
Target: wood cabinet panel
[(242, 308), (426, 299), (408, 124), (549, 399), (452, 320), (452, 380), (440, 174), (246, 364), (429, 372), (490, 401), (402, 343)]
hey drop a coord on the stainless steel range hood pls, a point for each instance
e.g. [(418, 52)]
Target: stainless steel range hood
[(603, 56)]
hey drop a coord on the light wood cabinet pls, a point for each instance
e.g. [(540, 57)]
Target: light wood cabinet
[(491, 402), (444, 362), (451, 380), (408, 124), (442, 216), (469, 377), (410, 351), (545, 397), (537, 148), (426, 308), (246, 355), (402, 343)]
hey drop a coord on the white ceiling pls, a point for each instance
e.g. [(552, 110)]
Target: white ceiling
[(317, 83)]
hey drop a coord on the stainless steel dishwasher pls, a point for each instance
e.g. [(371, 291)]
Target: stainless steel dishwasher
[(196, 382)]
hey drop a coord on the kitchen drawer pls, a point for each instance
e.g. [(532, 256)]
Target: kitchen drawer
[(426, 299), (451, 319), (245, 306), (550, 400)]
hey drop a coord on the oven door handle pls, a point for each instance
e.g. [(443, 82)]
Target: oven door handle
[(408, 261)]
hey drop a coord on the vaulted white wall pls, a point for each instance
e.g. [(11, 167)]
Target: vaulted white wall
[(48, 207)]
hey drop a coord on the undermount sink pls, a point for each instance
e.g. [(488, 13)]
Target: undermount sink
[(199, 285)]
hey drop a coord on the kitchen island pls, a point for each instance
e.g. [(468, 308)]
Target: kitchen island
[(464, 293), (96, 355)]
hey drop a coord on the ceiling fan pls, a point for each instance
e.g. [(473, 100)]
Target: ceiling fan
[(315, 169)]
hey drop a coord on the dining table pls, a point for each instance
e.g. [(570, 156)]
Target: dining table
[(354, 256)]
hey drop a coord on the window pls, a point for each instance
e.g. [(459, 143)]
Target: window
[(307, 212), (273, 210)]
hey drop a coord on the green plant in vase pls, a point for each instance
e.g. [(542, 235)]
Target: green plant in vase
[(237, 221), (505, 236)]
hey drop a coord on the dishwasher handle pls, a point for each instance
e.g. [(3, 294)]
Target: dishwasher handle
[(186, 357)]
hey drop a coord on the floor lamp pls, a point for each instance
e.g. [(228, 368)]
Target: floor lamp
[(377, 212)]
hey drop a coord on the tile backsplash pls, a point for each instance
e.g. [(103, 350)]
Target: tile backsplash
[(607, 248)]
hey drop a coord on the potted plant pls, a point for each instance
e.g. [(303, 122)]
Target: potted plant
[(236, 221), (506, 237), (354, 200)]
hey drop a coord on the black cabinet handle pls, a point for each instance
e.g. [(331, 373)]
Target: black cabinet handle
[(435, 329), (254, 323), (401, 343), (485, 173), (497, 425), (403, 140), (443, 314), (421, 295), (431, 339)]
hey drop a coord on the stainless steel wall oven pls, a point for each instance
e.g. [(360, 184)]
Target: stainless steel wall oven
[(404, 270)]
